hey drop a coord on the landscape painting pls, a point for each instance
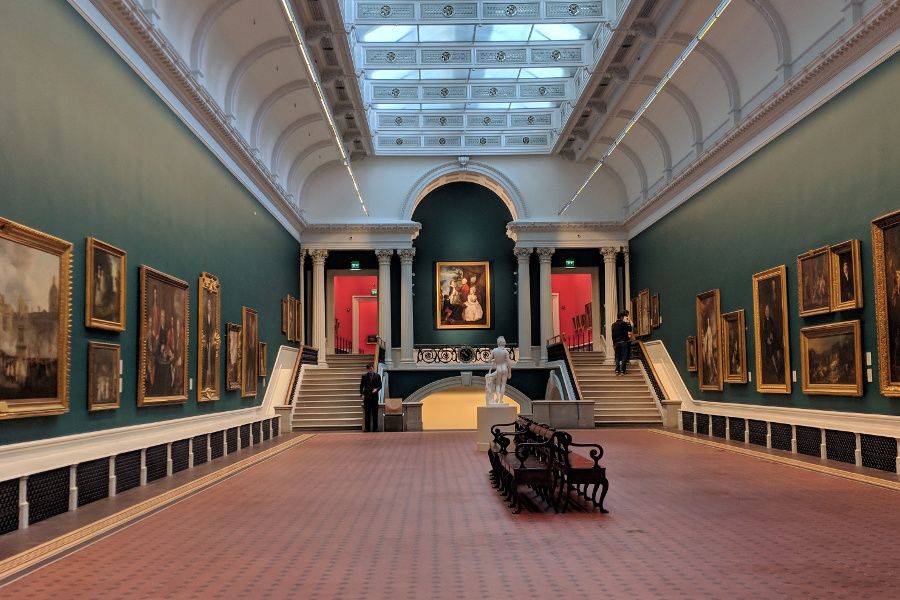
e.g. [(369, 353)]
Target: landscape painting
[(104, 300), (832, 359), (709, 340), (163, 375), (463, 295), (886, 258), (770, 327)]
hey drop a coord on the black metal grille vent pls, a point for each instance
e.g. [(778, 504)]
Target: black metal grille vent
[(879, 452), (9, 505), (758, 432), (217, 444), (199, 446), (840, 445), (92, 479), (231, 438), (48, 494), (703, 423), (718, 426), (156, 462), (266, 429), (245, 435), (809, 440), (257, 432), (276, 425), (180, 455), (687, 421), (781, 436), (737, 428), (128, 471)]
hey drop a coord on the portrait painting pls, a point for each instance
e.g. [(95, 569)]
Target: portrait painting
[(103, 376), (846, 277), (644, 307), (263, 368), (233, 356), (654, 311), (886, 259), (35, 318), (163, 376), (814, 282), (709, 340), (831, 359), (209, 340), (297, 319), (690, 352), (104, 298), (463, 295), (734, 342), (286, 317), (770, 327), (249, 351)]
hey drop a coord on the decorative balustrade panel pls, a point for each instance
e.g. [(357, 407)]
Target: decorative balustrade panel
[(463, 355)]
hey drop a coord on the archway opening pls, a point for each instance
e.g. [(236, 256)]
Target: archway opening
[(454, 408)]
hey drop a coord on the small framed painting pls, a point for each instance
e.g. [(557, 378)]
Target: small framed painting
[(104, 300), (831, 359), (654, 311), (846, 279), (103, 376), (233, 357), (814, 282), (734, 342), (263, 368), (690, 351)]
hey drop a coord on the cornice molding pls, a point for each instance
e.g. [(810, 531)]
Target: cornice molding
[(410, 228), (552, 226)]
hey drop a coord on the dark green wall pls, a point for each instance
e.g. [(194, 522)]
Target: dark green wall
[(87, 149), (465, 222), (820, 183)]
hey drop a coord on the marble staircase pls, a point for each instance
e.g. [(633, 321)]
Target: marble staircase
[(618, 400), (329, 398)]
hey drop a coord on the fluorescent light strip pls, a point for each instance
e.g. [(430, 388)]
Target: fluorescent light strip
[(314, 78), (646, 104)]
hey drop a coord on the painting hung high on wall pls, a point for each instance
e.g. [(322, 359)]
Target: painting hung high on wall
[(846, 280), (104, 299), (163, 376), (770, 328), (463, 295), (233, 356), (709, 339), (209, 357), (886, 258), (831, 359), (35, 292), (249, 351), (690, 351), (814, 282), (734, 343), (103, 376)]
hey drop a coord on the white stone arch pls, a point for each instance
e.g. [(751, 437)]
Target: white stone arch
[(473, 172), (449, 383)]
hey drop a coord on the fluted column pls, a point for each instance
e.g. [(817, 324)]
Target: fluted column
[(406, 304), (627, 282), (384, 299), (544, 256), (302, 297), (611, 303), (523, 257), (318, 260)]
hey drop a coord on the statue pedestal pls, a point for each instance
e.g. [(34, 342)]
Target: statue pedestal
[(490, 415)]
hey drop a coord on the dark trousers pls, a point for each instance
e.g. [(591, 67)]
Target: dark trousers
[(621, 355), (370, 408)]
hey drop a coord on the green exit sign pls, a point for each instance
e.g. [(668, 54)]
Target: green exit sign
[(374, 291), (354, 265), (570, 263)]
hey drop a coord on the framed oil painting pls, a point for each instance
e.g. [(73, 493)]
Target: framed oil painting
[(886, 259), (35, 319), (104, 299), (103, 376), (734, 342), (654, 311), (644, 307), (163, 343), (233, 356), (690, 351), (249, 351), (709, 340), (463, 295), (297, 320), (263, 368), (814, 282), (831, 359), (209, 341), (770, 329), (285, 316), (846, 277)]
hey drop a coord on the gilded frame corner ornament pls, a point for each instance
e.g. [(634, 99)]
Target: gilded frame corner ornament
[(208, 285), (147, 273), (832, 389), (890, 386), (778, 273), (91, 246)]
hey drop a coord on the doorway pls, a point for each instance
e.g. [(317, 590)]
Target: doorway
[(350, 317), (576, 307), (365, 324)]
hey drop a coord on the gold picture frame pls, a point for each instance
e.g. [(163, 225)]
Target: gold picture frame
[(263, 362), (232, 356), (734, 346), (209, 338), (655, 320), (286, 318), (831, 359), (709, 340), (846, 276), (644, 307), (690, 352), (105, 286), (770, 330), (103, 376), (163, 342), (36, 255), (455, 279), (249, 352), (886, 262), (814, 282)]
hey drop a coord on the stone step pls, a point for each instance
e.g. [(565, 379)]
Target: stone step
[(330, 422), (599, 421), (305, 417), (330, 385), (326, 427), (625, 384), (600, 397), (649, 411)]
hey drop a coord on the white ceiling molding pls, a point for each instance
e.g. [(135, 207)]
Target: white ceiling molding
[(782, 40), (360, 236), (722, 66), (567, 234), (198, 43), (247, 61)]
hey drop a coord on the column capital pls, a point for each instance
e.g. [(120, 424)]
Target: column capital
[(609, 253), (523, 254), (318, 255), (384, 255), (625, 253), (406, 255), (544, 254)]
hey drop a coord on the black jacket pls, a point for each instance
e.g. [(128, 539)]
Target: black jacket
[(370, 388)]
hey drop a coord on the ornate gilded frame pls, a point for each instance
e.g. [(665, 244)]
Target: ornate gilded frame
[(718, 386), (89, 320), (15, 408), (689, 344), (889, 386), (208, 284), (249, 385), (263, 362), (93, 347), (644, 307), (801, 260), (147, 273), (836, 251), (487, 292), (735, 316), (233, 330), (655, 318), (833, 389), (779, 272)]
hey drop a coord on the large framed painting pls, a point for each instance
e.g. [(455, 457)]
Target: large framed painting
[(709, 340), (463, 295), (233, 356), (104, 299), (163, 343), (734, 342), (846, 277), (644, 307), (35, 319), (103, 376), (886, 259), (690, 351), (814, 282), (831, 359), (654, 311), (770, 329), (209, 340), (249, 351)]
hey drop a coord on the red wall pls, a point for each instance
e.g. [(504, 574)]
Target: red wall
[(574, 291), (345, 287)]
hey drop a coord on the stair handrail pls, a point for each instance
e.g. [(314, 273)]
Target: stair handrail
[(651, 372), (570, 366)]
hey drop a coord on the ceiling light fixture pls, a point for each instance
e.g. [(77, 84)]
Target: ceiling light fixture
[(317, 84), (659, 86)]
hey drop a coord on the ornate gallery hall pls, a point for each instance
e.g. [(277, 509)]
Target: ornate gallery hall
[(437, 299)]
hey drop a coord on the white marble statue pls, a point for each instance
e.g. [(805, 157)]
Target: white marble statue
[(499, 373)]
